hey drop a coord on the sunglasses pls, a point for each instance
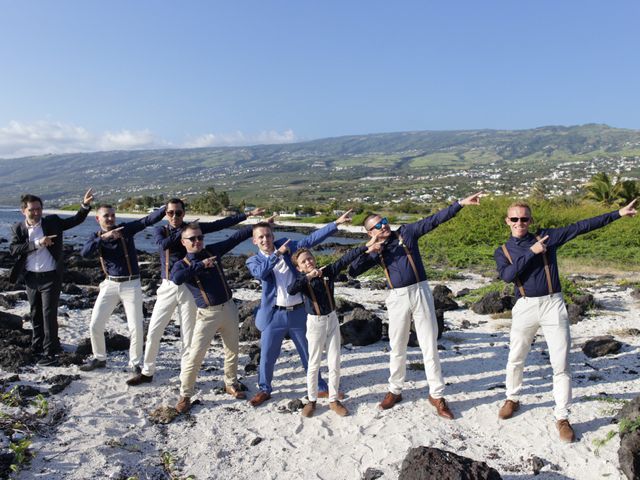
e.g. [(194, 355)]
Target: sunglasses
[(522, 219), (380, 224), (195, 238), (177, 213)]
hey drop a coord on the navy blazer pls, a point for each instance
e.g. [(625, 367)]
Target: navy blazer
[(20, 246), (261, 267)]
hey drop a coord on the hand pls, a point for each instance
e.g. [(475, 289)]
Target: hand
[(256, 212), (344, 218), (472, 200), (272, 219), (209, 262), (539, 246), (375, 247), (47, 241), (374, 237), (114, 234), (316, 272), (88, 197), (284, 248), (629, 210)]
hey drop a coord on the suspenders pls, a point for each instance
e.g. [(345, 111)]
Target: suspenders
[(314, 299), (166, 255), (547, 269), (199, 283), (409, 257), (126, 255)]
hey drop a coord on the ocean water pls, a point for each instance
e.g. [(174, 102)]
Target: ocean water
[(144, 239)]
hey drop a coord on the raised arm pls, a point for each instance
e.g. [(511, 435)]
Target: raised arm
[(298, 285), (336, 267), (131, 228), (91, 245), (220, 248), (81, 214), (181, 272)]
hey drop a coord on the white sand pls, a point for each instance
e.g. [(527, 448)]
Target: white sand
[(108, 433)]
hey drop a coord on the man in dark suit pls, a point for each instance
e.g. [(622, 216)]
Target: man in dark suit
[(36, 244)]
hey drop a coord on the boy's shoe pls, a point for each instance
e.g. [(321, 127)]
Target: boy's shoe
[(139, 378), (338, 408), (93, 364), (308, 409), (389, 400), (565, 431), (183, 405), (325, 394), (259, 398), (508, 409)]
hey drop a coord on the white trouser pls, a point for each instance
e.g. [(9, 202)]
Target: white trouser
[(169, 296), (403, 304), (323, 331), (550, 313), (130, 294), (221, 319)]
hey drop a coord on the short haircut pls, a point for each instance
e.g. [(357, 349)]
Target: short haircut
[(177, 200), (105, 205), (519, 204), (262, 225), (299, 252), (369, 217), (28, 198), (190, 226)]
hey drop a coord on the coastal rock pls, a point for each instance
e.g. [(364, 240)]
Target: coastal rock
[(10, 321), (372, 474), (601, 346), (114, 341), (493, 302), (426, 463), (246, 313), (343, 306), (575, 313), (361, 327), (15, 349), (443, 298), (629, 451)]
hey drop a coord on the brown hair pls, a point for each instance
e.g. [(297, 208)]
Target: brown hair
[(28, 198), (299, 252), (519, 204)]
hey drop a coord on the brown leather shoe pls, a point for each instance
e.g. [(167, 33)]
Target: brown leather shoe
[(139, 378), (566, 432), (308, 409), (183, 405), (441, 407), (389, 400), (325, 394), (508, 409), (259, 398), (339, 408), (235, 391)]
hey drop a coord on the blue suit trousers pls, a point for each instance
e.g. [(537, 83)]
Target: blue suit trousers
[(284, 322)]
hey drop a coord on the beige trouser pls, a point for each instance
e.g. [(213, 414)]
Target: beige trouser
[(169, 298), (530, 314), (323, 331), (130, 294), (403, 304), (221, 319)]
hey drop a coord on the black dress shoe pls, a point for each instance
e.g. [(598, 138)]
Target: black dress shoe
[(93, 364), (139, 378), (48, 361)]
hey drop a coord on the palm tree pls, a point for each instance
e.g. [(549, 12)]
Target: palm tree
[(600, 189), (626, 191)]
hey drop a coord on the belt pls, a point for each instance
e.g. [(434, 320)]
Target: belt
[(289, 309), (123, 279)]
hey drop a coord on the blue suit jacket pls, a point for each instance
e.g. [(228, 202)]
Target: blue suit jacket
[(261, 267)]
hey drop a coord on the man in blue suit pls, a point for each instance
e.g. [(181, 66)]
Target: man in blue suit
[(279, 313)]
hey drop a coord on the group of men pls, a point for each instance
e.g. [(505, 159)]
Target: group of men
[(194, 286)]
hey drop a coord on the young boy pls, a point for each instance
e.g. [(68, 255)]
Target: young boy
[(317, 286)]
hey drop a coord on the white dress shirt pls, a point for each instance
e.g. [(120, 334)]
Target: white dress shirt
[(40, 260), (284, 278)]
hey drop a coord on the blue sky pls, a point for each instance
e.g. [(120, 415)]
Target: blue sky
[(96, 75)]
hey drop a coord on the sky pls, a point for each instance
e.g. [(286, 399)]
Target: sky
[(87, 75)]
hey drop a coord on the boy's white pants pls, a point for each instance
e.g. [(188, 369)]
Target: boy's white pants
[(168, 297), (323, 331), (404, 304), (529, 314), (130, 294)]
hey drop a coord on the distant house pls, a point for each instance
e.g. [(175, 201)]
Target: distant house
[(227, 212)]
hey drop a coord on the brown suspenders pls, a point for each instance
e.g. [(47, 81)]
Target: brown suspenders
[(547, 269), (126, 254), (409, 257), (166, 256), (204, 294), (314, 299)]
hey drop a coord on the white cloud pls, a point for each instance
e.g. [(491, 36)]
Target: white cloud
[(19, 139)]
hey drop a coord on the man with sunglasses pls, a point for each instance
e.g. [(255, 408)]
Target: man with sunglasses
[(529, 260), (202, 273), (409, 298), (116, 249), (170, 296)]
